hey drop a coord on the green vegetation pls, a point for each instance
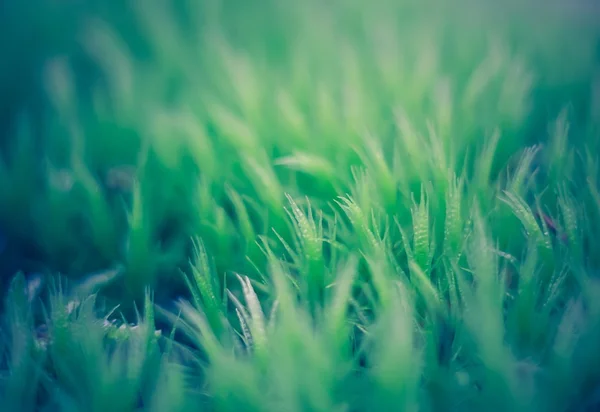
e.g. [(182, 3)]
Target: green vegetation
[(299, 206)]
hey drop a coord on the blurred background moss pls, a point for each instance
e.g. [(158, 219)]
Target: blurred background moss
[(81, 81)]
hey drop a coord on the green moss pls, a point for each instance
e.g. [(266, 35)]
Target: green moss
[(381, 207)]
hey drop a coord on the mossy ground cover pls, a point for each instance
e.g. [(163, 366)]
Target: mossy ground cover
[(299, 206)]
